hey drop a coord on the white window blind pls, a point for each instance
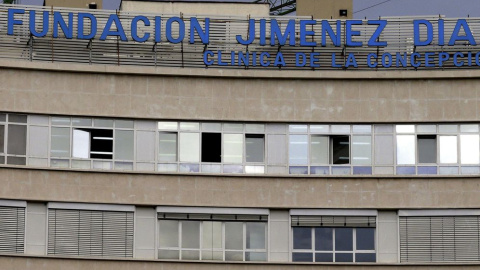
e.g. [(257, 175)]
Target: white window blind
[(12, 229), (439, 238), (90, 233)]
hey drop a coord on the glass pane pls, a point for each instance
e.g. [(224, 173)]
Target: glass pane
[(60, 142), (124, 124), (189, 167), (81, 122), (340, 129), (298, 150), (102, 123), (233, 127), (168, 236), (255, 169), (255, 128), (37, 162), (319, 149), (324, 239), (189, 126), (448, 149), (212, 235), (343, 257), (189, 147), (190, 234), (256, 235), (362, 150), (2, 138), (212, 147), (405, 128), (365, 257), (233, 148), (255, 147), (167, 125), (167, 146), (232, 168), (212, 126), (276, 128), (297, 128), (16, 160), (233, 255), (469, 151), (405, 170), (3, 117), (362, 129), (17, 118), (302, 257), (40, 120), (59, 163), (298, 169), (61, 121), (449, 170), (427, 148), (468, 128), (146, 125), (302, 238), (17, 140), (344, 239), (81, 144), (125, 166), (448, 128), (255, 256), (340, 149), (162, 167), (124, 144), (323, 257), (406, 149), (234, 236), (383, 128), (190, 255), (81, 164), (319, 129), (432, 129), (211, 168), (365, 238), (168, 254), (212, 255)]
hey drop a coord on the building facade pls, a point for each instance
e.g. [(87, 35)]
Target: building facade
[(121, 154)]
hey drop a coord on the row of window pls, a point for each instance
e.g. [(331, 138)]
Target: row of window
[(109, 231), (192, 147)]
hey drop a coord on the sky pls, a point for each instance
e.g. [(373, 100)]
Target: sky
[(449, 8)]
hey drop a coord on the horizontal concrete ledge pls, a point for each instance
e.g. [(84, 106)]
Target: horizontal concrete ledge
[(21, 261), (246, 176), (241, 73)]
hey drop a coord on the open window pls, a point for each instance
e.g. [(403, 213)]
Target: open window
[(212, 147), (427, 148), (330, 149), (93, 143)]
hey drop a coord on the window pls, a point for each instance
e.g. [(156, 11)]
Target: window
[(211, 147), (469, 148), (451, 236), (2, 139), (14, 140), (333, 239), (331, 149), (255, 147), (232, 148), (93, 143), (212, 237), (405, 149), (81, 232), (340, 147), (427, 148), (12, 226), (167, 147), (448, 149)]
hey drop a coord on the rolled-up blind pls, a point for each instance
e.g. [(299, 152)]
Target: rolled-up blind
[(334, 221), (12, 229), (439, 239), (90, 233)]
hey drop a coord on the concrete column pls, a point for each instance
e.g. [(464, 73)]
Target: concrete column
[(387, 233), (279, 236), (145, 235), (36, 229)]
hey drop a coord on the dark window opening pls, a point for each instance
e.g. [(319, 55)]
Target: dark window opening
[(93, 143), (343, 13), (17, 140), (211, 147), (427, 148), (92, 6), (340, 149), (2, 138)]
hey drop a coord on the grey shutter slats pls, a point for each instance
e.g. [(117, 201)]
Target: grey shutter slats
[(439, 239), (218, 217), (90, 233), (12, 229), (334, 221)]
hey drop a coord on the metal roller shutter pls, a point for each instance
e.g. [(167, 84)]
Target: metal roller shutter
[(12, 229), (90, 233), (439, 239), (334, 221)]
